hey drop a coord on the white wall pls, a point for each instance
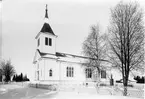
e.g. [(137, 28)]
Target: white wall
[(54, 66), (59, 71), (46, 48), (78, 76)]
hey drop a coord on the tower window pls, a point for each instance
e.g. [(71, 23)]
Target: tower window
[(46, 41), (70, 72), (103, 74), (50, 73), (38, 42), (88, 73), (50, 42)]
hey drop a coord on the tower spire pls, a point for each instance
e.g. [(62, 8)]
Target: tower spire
[(46, 14)]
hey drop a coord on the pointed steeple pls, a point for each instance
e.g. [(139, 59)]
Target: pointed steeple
[(46, 27), (46, 14)]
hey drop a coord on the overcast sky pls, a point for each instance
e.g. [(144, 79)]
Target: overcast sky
[(69, 19)]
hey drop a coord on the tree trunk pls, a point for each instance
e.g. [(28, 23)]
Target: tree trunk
[(125, 91), (125, 83)]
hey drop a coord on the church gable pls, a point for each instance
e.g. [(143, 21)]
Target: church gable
[(37, 56)]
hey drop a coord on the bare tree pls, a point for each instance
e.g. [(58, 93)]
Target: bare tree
[(127, 38), (94, 48), (7, 70)]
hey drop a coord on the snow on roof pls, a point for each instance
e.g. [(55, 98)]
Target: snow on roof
[(66, 57)]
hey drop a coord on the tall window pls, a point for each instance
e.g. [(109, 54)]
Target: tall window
[(88, 73), (46, 41), (103, 74), (69, 72), (37, 75), (72, 72), (50, 42), (50, 73), (38, 41)]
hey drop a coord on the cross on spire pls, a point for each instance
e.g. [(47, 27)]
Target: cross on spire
[(46, 14)]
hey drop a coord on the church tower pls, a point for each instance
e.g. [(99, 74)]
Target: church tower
[(46, 39)]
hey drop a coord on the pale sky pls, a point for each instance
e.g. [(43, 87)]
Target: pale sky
[(69, 19)]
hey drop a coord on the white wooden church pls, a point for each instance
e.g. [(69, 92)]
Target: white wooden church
[(53, 67)]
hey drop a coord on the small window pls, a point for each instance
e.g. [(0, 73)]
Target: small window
[(70, 72), (88, 73), (38, 42), (103, 74), (50, 42), (46, 41), (50, 73)]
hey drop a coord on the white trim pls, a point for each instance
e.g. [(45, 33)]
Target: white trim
[(45, 34)]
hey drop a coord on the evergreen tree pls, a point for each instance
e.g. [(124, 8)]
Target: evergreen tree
[(14, 78), (21, 77)]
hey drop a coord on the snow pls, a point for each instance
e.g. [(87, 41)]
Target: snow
[(21, 91), (71, 95), (5, 87)]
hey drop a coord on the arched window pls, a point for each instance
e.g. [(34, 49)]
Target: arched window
[(72, 71), (50, 72), (37, 75), (103, 74), (69, 71), (88, 72)]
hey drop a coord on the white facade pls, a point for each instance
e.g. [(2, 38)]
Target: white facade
[(49, 49), (52, 67)]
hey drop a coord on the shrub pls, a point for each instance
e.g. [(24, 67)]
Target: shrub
[(139, 79), (102, 84)]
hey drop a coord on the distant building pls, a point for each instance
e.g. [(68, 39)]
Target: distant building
[(52, 67)]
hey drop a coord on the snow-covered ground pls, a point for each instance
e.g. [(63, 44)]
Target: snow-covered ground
[(74, 95), (22, 91)]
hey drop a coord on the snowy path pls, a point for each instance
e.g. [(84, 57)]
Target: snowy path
[(14, 91)]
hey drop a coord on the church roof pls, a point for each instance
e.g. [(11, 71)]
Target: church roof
[(43, 54), (59, 54), (65, 57), (47, 29)]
